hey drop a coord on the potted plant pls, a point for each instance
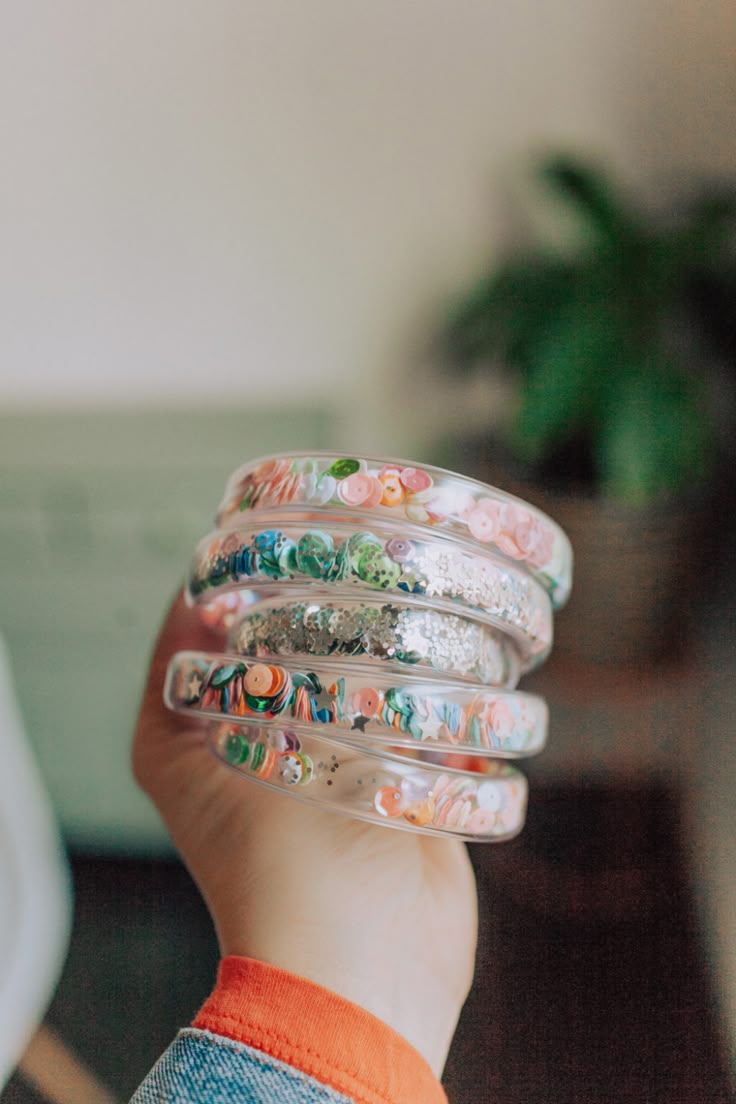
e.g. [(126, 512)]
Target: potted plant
[(616, 427)]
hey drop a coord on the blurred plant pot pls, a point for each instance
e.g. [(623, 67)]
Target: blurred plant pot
[(638, 571)]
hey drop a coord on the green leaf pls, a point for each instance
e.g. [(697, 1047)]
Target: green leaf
[(572, 368), (657, 437), (591, 193), (505, 311)]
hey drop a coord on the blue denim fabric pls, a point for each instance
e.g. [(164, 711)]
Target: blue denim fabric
[(202, 1068)]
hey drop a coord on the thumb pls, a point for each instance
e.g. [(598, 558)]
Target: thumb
[(157, 727)]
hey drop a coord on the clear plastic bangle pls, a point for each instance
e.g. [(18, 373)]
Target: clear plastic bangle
[(399, 634), (378, 618), (484, 804), (359, 705), (335, 555), (400, 492)]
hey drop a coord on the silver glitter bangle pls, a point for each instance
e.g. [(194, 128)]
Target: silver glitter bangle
[(401, 634)]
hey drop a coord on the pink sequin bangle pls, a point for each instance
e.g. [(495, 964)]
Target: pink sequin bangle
[(358, 705), (402, 635), (484, 804), (400, 492), (332, 555)]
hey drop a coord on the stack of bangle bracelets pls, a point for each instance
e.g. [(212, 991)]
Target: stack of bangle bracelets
[(378, 619)]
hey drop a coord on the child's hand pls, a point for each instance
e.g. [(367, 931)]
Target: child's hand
[(385, 918)]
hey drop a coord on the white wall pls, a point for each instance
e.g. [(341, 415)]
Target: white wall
[(217, 200)]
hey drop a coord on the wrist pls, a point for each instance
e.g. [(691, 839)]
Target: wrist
[(319, 1032), (421, 1005)]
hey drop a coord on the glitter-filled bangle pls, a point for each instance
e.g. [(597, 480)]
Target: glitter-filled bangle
[(488, 804), (401, 492), (358, 705), (435, 569), (396, 633), (369, 702)]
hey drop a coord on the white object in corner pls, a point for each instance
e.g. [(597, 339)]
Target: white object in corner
[(35, 896)]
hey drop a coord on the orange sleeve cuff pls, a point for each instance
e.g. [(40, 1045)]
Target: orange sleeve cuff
[(317, 1032)]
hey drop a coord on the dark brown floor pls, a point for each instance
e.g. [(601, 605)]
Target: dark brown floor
[(590, 982)]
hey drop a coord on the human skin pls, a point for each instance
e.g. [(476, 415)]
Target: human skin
[(385, 918)]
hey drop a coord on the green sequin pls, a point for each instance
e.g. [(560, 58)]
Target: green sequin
[(377, 569), (258, 704), (397, 700), (270, 545), (236, 749), (222, 677), (356, 547), (343, 467), (415, 729), (288, 562), (315, 553)]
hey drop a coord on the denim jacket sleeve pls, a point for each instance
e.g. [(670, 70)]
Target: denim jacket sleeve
[(202, 1068), (266, 1035)]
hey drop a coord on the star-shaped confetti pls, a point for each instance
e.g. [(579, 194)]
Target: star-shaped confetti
[(194, 686), (324, 698), (359, 723)]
